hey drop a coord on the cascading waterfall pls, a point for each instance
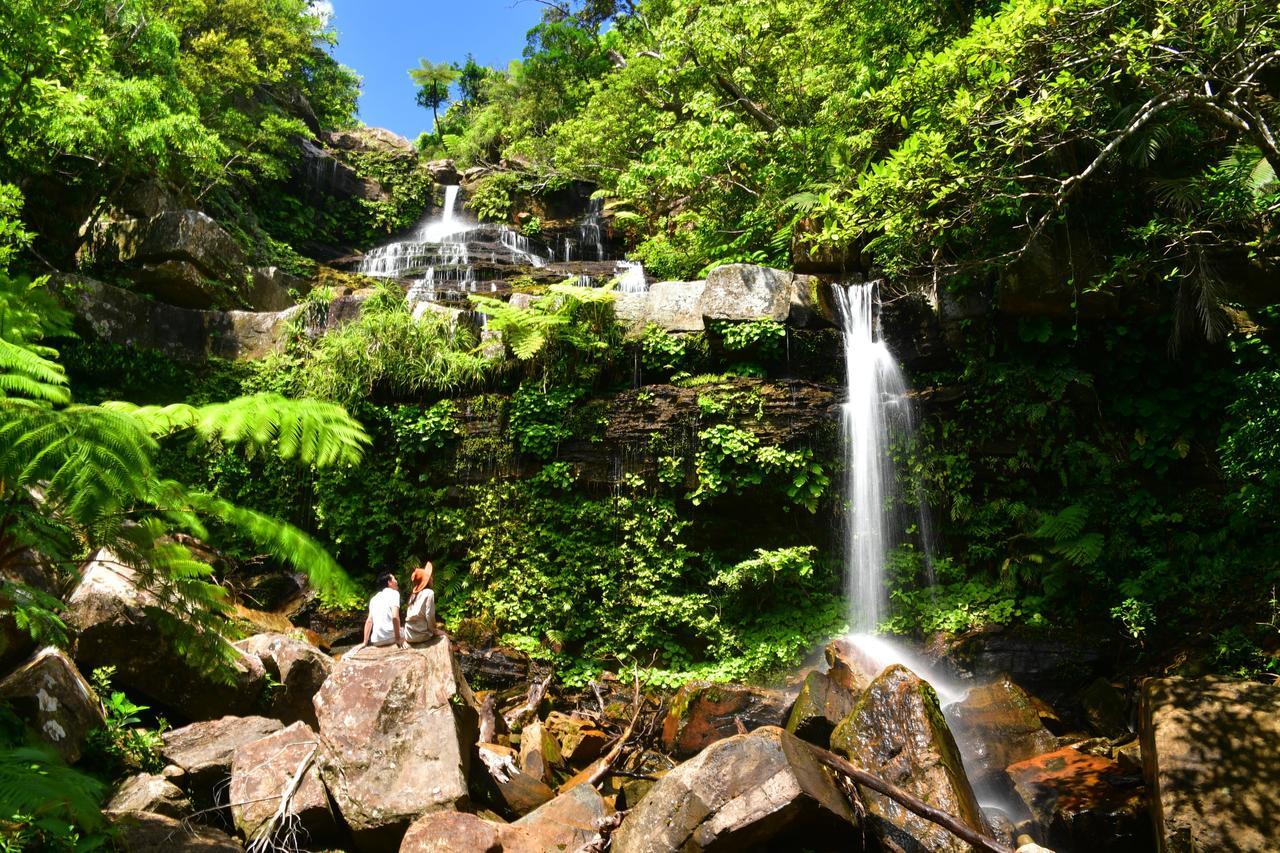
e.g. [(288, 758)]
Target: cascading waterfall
[(631, 277)]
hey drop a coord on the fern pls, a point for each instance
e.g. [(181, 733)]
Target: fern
[(1067, 538), (1065, 524), (36, 787)]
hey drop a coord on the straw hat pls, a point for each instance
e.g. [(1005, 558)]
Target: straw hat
[(422, 577)]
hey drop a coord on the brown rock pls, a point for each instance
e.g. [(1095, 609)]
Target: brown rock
[(205, 750), (270, 289), (520, 792), (150, 792), (1210, 758), (738, 794), (299, 669), (820, 705), (539, 752), (260, 773), (1083, 802), (452, 832), (897, 732), (144, 832), (997, 725), (51, 695), (398, 728), (703, 713), (848, 667), (568, 822), (1105, 708), (580, 741)]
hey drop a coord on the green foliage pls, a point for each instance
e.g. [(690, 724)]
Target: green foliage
[(45, 805), (762, 339), (122, 745), (492, 199), (730, 459), (568, 317), (539, 419), (660, 351)]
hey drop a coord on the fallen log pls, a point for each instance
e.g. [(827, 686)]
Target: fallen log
[(950, 823)]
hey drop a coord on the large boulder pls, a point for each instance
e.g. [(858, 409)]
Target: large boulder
[(204, 751), (397, 729), (1211, 762), (1080, 801), (739, 794), (272, 289), (264, 770), (740, 292), (675, 306), (150, 792), (51, 695), (146, 832), (567, 823), (702, 713), (298, 670), (897, 732), (115, 624), (996, 725), (820, 705)]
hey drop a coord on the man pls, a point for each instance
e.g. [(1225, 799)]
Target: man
[(420, 618), (382, 626)]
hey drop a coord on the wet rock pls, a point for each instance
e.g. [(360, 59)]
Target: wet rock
[(518, 791), (397, 728), (261, 772), (1105, 708), (738, 794), (145, 832), (150, 792), (820, 705), (205, 751), (997, 725), (298, 667), (703, 713), (849, 667), (539, 752), (897, 732), (319, 174), (580, 741), (1211, 762), (51, 695), (1083, 802)]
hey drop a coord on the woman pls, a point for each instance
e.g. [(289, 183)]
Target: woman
[(420, 615)]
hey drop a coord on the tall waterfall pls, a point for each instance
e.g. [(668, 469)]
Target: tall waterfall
[(875, 411)]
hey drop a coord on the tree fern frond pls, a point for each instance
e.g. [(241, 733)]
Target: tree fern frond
[(34, 784), (1066, 524), (27, 371), (585, 295)]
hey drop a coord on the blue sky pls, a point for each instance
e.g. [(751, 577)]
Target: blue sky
[(383, 39)]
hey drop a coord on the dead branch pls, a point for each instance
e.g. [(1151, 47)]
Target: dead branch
[(537, 692), (605, 765), (262, 838), (955, 826)]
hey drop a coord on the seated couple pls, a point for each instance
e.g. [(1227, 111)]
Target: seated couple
[(383, 626)]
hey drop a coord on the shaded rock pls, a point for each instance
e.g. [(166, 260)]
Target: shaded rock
[(580, 741), (566, 823), (812, 305), (518, 791), (150, 792), (262, 770), (192, 237), (646, 763), (32, 570), (145, 832), (539, 752), (997, 725), (849, 667), (1105, 708), (269, 289), (897, 732), (298, 667), (397, 728), (738, 794), (51, 695), (1211, 763), (318, 174), (444, 172), (703, 713), (496, 668), (453, 832), (205, 751), (1083, 802), (820, 705), (115, 625), (149, 197)]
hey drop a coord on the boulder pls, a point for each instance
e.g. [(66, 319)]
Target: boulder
[(703, 713), (671, 305), (397, 728), (1083, 802), (271, 289), (820, 705), (997, 725), (849, 667), (194, 238), (25, 569), (204, 751), (454, 832), (739, 794), (444, 172), (897, 732), (518, 792), (146, 832), (740, 292), (263, 770), (150, 792), (318, 174), (568, 822), (297, 667), (539, 752), (1105, 708), (1210, 758), (374, 139), (115, 625), (580, 741), (51, 695)]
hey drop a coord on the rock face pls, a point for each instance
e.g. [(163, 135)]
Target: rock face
[(52, 696), (113, 627), (1083, 802), (454, 832), (820, 705), (672, 305), (1211, 763), (204, 751), (150, 792), (297, 666), (738, 794), (745, 292), (145, 832), (848, 667), (897, 732), (397, 729), (318, 174), (997, 724), (703, 713), (261, 772)]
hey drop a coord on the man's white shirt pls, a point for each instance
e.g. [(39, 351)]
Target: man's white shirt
[(383, 609)]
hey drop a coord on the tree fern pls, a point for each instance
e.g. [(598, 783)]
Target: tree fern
[(35, 786)]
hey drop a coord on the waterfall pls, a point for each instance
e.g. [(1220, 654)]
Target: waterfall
[(590, 233), (631, 277)]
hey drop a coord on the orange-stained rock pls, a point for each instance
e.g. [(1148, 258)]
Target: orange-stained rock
[(580, 741), (703, 713), (539, 752), (820, 705), (848, 666), (565, 824), (261, 770), (1083, 802), (996, 725), (520, 792), (452, 832)]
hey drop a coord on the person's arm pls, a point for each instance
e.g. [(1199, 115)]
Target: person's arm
[(368, 629), (395, 622)]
